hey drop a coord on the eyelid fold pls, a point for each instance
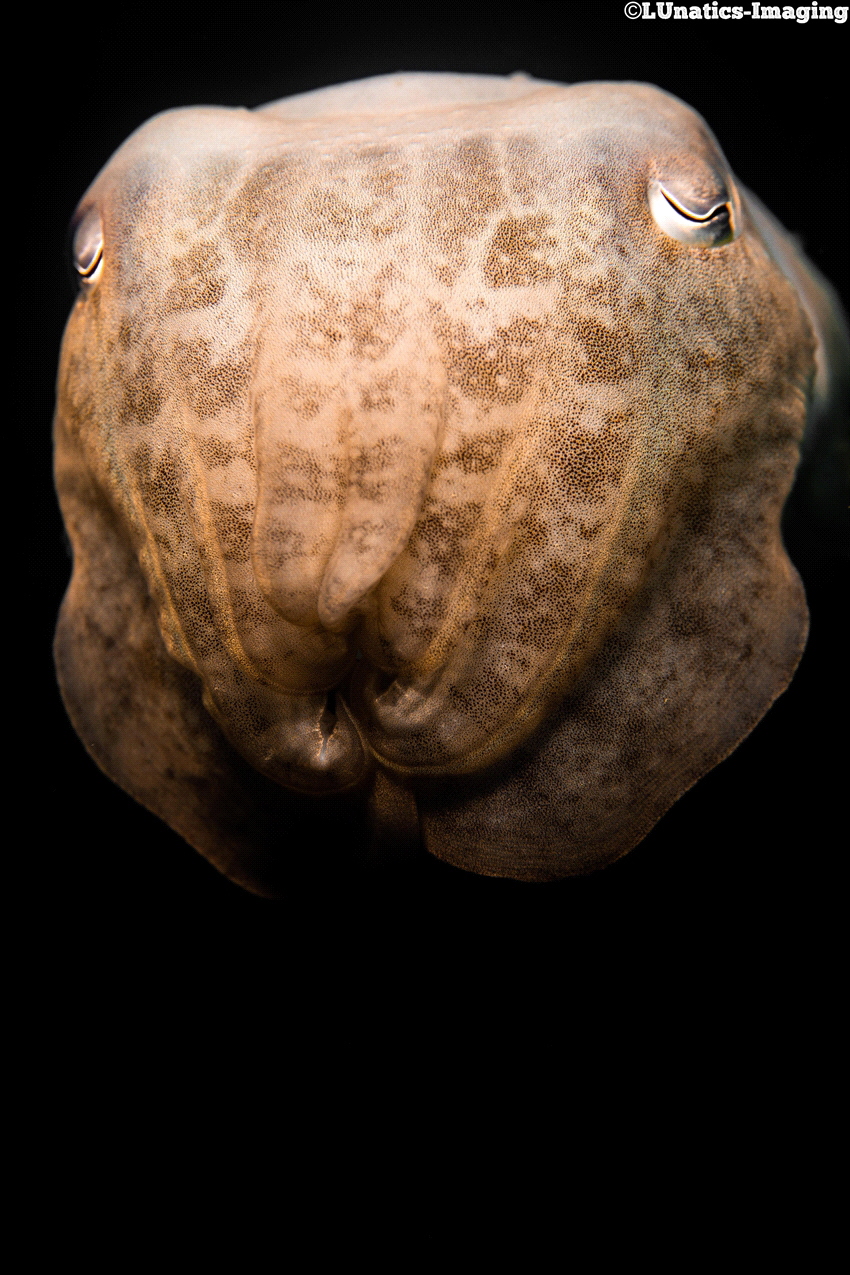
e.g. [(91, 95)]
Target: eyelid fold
[(697, 222), (88, 247)]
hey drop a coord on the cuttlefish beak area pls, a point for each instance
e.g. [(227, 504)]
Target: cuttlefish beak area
[(448, 447)]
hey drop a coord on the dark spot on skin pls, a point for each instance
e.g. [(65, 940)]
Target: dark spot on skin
[(356, 200), (609, 353), (251, 717), (288, 545), (585, 464), (233, 525), (442, 531), (526, 166), (187, 588), (326, 215), (386, 171), (160, 479), (142, 398), (478, 698), (217, 452), (382, 173), (305, 399), (369, 329), (422, 614), (478, 179), (464, 188), (128, 335), (299, 475), (209, 185), (498, 370), (380, 394), (476, 455), (541, 599), (252, 219), (687, 619), (220, 387), (369, 464), (517, 255), (249, 611), (210, 387), (366, 324), (198, 280)]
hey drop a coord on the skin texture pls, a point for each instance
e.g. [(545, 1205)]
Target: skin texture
[(411, 466)]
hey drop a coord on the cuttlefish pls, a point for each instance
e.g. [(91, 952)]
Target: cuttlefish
[(422, 443)]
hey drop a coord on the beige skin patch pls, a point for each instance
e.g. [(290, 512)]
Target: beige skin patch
[(424, 440)]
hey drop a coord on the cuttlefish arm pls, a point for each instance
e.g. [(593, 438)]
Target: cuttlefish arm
[(423, 444), (141, 713)]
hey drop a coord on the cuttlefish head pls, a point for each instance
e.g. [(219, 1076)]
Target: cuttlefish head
[(428, 437)]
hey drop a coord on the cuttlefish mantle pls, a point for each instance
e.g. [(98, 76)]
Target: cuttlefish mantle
[(423, 443)]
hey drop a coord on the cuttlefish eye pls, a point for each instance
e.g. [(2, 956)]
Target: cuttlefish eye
[(88, 247), (704, 223)]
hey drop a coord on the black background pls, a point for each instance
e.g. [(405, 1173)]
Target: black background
[(731, 897)]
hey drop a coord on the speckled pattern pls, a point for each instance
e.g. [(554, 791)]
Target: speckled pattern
[(401, 451)]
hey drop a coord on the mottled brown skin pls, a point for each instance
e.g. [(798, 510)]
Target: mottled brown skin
[(403, 454)]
